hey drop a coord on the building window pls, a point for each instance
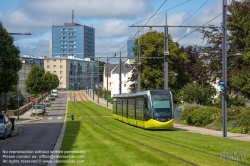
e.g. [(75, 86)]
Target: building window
[(124, 85), (124, 75), (48, 61), (61, 66), (54, 65), (48, 66), (61, 72)]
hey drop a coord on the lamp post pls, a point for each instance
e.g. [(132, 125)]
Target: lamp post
[(5, 108)]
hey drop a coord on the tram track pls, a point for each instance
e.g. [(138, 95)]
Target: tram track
[(152, 137), (128, 138)]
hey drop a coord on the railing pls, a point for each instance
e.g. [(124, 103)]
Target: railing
[(26, 107)]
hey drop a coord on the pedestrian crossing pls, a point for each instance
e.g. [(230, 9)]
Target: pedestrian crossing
[(50, 118)]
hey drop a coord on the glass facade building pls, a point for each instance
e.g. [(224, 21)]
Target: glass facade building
[(73, 39)]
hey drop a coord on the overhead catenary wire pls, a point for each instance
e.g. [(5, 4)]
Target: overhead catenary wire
[(194, 12), (198, 28), (145, 24)]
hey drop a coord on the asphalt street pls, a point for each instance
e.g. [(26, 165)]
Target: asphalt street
[(38, 138)]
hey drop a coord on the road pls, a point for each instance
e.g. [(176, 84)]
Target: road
[(38, 138)]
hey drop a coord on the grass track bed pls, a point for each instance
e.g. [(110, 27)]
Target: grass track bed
[(107, 141)]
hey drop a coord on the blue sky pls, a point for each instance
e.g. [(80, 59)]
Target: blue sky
[(110, 18)]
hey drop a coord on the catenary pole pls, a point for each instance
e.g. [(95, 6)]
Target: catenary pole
[(224, 67), (139, 66), (120, 73), (107, 83), (166, 53)]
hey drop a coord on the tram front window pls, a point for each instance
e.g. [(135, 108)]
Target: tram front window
[(161, 107)]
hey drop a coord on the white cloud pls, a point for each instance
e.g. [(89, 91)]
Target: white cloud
[(112, 28), (89, 8), (110, 18)]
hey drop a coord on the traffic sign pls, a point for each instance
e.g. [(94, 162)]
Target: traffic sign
[(222, 82), (32, 99), (18, 99)]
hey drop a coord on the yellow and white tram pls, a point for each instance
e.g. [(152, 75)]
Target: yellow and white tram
[(152, 109)]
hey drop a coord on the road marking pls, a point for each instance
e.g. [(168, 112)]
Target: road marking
[(59, 118), (49, 118)]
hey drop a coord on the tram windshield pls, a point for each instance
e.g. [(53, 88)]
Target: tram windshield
[(161, 104)]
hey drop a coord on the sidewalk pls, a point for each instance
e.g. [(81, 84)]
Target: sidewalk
[(204, 131), (102, 101)]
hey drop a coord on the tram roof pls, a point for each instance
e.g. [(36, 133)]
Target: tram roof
[(139, 93)]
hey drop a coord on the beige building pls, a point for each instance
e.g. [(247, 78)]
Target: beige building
[(73, 73)]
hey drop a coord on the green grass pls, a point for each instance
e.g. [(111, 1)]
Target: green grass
[(107, 141)]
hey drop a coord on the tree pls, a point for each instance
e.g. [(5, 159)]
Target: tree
[(238, 41), (35, 82), (199, 94), (10, 63), (238, 25), (152, 69)]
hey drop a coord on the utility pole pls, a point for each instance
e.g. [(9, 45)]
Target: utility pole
[(224, 67), (107, 83), (166, 53), (120, 74), (98, 81), (139, 66)]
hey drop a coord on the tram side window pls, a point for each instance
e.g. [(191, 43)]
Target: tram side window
[(131, 108), (124, 105), (139, 108), (119, 106)]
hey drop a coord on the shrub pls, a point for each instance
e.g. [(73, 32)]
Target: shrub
[(187, 110), (203, 116), (244, 121)]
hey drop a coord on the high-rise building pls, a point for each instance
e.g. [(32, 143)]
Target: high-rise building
[(72, 39)]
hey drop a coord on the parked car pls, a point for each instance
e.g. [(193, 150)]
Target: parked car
[(38, 109), (5, 126), (46, 103), (52, 97)]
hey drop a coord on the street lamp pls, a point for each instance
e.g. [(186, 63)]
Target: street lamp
[(5, 108)]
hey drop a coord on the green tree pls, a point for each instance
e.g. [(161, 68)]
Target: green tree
[(152, 69), (199, 94), (35, 82), (239, 41), (10, 62)]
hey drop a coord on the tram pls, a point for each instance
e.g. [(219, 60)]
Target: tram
[(151, 109)]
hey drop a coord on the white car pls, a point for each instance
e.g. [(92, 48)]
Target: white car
[(5, 126), (38, 109)]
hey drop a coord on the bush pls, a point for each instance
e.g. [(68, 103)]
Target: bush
[(203, 116), (244, 121), (187, 110)]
